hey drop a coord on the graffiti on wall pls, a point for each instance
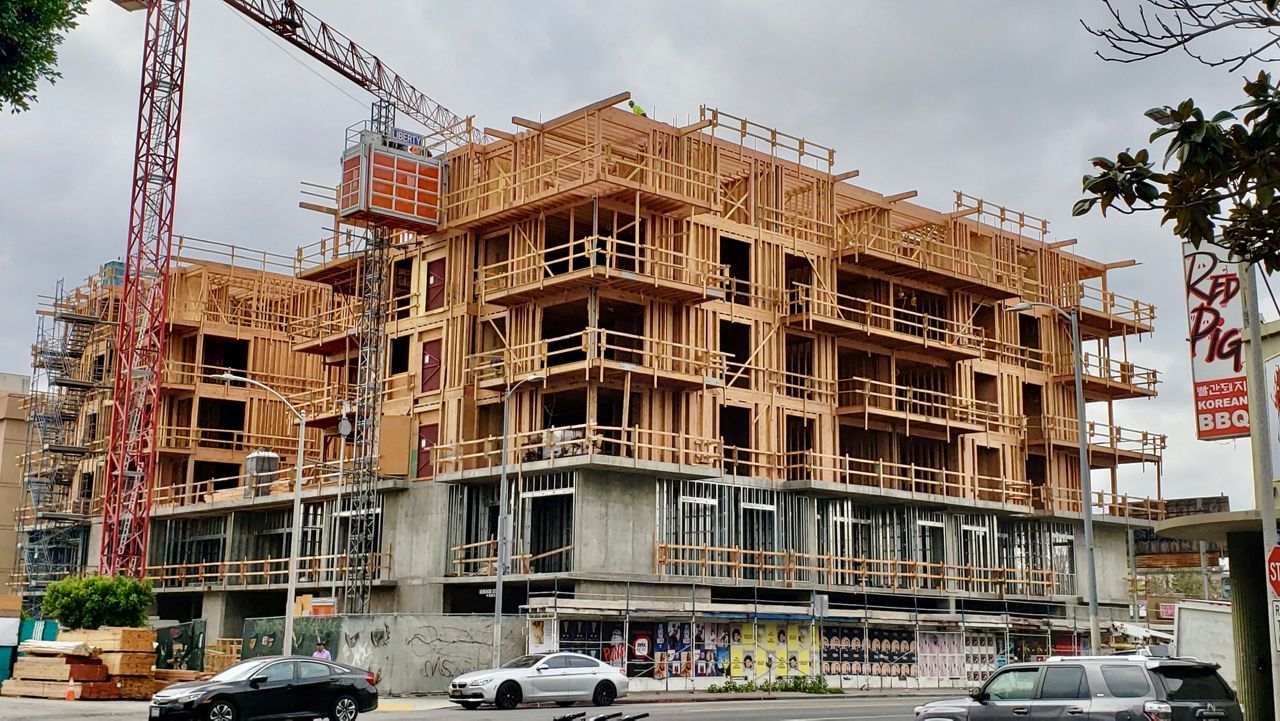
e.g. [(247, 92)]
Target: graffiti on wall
[(407, 653), (181, 646)]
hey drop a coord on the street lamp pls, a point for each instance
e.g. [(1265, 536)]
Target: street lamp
[(1086, 483), (295, 543), (504, 533)]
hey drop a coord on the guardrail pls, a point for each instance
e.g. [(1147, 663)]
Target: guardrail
[(595, 348), (578, 442), (258, 572), (481, 559), (940, 407), (874, 316), (791, 567)]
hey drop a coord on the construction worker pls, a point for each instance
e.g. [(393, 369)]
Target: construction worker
[(636, 108)]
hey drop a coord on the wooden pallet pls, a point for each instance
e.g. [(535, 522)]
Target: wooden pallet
[(114, 638)]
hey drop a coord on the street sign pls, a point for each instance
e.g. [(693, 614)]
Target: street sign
[(1273, 570), (1214, 321)]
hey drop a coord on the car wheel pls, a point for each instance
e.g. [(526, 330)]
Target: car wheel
[(508, 696), (222, 710), (564, 704), (470, 705), (605, 694), (344, 709)]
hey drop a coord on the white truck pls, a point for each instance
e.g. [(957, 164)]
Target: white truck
[(1202, 629)]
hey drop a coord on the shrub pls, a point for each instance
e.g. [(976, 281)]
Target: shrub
[(95, 601)]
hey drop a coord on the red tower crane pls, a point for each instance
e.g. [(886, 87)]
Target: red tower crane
[(131, 459)]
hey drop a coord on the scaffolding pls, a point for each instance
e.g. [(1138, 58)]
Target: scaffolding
[(53, 522)]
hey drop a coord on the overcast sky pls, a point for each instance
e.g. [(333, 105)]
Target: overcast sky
[(1003, 100)]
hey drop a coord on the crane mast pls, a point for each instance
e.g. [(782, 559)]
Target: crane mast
[(140, 358)]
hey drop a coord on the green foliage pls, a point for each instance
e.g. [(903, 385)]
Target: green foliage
[(30, 33), (786, 684), (1222, 186), (95, 601)]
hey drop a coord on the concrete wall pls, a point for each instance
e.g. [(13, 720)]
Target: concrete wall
[(13, 438), (1111, 551), (408, 653), (614, 523), (416, 526)]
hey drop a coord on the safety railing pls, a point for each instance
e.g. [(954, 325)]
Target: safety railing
[(594, 349), (343, 316), (481, 559), (183, 439), (1123, 309), (576, 443), (916, 481), (603, 256), (869, 316), (865, 396), (1034, 359), (178, 372), (1115, 438), (315, 570), (230, 488), (1112, 371), (574, 167), (792, 567), (26, 579), (60, 508), (928, 246), (1105, 503)]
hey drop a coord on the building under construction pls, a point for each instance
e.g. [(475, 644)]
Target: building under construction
[(751, 393)]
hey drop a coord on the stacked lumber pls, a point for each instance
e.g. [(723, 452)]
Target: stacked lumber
[(106, 663)]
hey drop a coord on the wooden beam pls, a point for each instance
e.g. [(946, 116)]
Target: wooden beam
[(847, 175), (598, 105), (1063, 244), (500, 134), (524, 123), (889, 199), (962, 213), (695, 127), (1119, 264)]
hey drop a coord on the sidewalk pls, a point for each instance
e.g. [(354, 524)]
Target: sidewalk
[(437, 701)]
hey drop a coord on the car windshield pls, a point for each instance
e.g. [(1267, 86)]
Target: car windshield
[(1192, 683), (524, 661), (239, 672)]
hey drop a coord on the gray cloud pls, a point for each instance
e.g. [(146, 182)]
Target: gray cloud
[(1001, 99)]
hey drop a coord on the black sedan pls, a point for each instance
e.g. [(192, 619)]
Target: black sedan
[(294, 687)]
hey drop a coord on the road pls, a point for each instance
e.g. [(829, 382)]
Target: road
[(826, 708)]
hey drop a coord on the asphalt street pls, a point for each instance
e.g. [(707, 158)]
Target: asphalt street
[(827, 708)]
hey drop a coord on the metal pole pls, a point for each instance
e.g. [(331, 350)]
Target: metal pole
[(1263, 475), (344, 430), (1086, 490), (295, 543), (1204, 571), (501, 551)]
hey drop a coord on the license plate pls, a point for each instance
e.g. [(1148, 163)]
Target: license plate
[(155, 712), (455, 692)]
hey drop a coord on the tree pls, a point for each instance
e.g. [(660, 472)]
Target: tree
[(1222, 188), (1163, 26), (30, 33), (95, 601)]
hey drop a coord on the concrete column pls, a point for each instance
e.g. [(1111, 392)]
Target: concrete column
[(1249, 626)]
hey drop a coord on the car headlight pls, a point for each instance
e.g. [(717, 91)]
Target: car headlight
[(917, 710), (481, 681), (191, 697)]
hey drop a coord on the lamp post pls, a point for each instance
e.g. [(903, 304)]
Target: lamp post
[(504, 532), (295, 542), (344, 430), (1086, 484)]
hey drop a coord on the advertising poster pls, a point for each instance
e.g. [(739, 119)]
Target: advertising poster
[(735, 662), (614, 652), (641, 663), (661, 651)]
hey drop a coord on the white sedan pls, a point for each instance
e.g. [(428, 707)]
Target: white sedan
[(559, 677)]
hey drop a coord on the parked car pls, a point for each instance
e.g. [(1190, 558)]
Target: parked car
[(294, 687), (1096, 688), (559, 677)]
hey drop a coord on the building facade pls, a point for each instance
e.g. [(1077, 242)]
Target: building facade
[(756, 416)]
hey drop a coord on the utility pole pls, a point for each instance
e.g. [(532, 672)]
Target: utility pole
[(1263, 474)]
